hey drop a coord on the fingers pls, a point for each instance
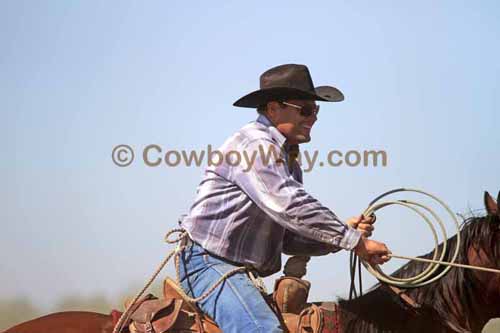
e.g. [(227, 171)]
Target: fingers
[(380, 250), (379, 259), (365, 227), (383, 249), (382, 256), (376, 260), (372, 251), (368, 219), (354, 221)]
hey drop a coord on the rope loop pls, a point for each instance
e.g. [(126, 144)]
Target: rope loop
[(182, 234), (428, 275)]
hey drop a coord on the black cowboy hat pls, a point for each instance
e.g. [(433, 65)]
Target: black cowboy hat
[(288, 81)]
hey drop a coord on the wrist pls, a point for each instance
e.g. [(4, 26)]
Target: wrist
[(360, 248), (350, 240)]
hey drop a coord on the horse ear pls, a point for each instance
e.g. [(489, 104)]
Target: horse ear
[(490, 204), (498, 204)]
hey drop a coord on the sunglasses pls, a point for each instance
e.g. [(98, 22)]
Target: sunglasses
[(305, 111)]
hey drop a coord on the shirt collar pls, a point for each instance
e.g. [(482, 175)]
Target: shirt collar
[(275, 133)]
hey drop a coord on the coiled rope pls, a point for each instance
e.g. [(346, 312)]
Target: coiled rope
[(427, 275)]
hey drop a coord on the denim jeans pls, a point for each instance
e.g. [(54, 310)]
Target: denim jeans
[(236, 305)]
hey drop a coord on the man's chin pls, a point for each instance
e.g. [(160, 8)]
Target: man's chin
[(303, 138)]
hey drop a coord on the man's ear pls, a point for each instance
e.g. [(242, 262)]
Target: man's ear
[(272, 111)]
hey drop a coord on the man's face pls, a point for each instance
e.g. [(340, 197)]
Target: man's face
[(290, 122)]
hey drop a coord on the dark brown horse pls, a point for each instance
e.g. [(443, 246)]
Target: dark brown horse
[(462, 301)]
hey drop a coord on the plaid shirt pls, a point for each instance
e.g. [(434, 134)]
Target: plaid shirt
[(249, 213)]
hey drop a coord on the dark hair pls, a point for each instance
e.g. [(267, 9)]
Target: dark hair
[(261, 109)]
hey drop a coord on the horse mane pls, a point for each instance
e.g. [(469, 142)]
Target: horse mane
[(436, 300)]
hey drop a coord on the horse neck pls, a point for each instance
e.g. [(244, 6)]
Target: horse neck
[(486, 304), (380, 310), (459, 297), (456, 299), (469, 313)]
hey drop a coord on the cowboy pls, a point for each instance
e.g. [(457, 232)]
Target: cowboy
[(249, 213)]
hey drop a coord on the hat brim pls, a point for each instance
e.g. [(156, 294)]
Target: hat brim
[(263, 96)]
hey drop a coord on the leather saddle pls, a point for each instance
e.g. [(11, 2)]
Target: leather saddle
[(175, 313)]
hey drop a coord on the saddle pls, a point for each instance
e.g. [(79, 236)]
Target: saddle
[(290, 299), (175, 313)]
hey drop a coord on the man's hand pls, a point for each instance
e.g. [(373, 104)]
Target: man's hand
[(372, 251), (363, 224)]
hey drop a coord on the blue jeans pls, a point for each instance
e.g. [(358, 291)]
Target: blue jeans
[(236, 305)]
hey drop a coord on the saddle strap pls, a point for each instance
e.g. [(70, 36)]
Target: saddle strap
[(410, 302), (167, 317), (314, 319), (310, 320)]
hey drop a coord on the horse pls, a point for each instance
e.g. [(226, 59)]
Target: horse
[(461, 301), (67, 322)]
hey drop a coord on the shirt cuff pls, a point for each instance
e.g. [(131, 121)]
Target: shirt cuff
[(351, 239)]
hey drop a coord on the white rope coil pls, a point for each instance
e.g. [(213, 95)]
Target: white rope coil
[(428, 274)]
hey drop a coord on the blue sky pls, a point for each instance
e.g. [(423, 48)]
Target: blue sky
[(421, 82)]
